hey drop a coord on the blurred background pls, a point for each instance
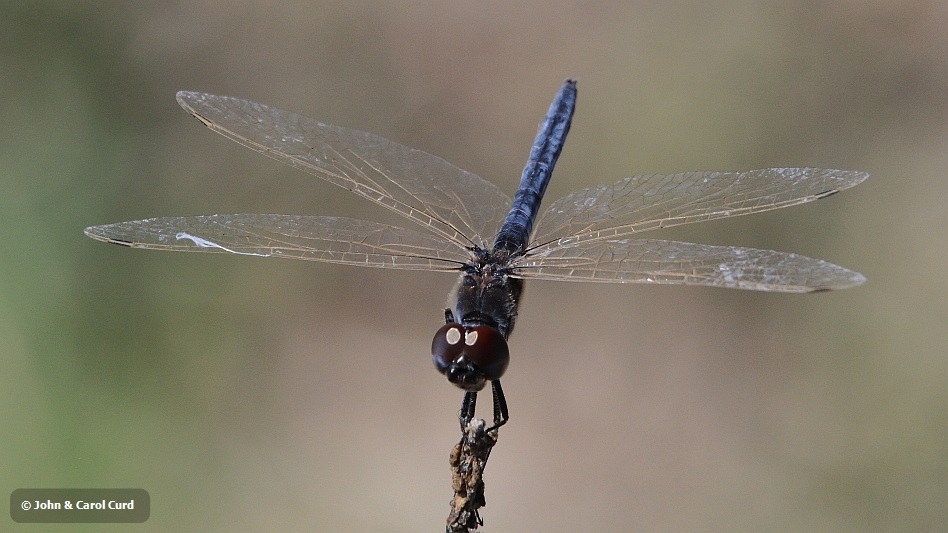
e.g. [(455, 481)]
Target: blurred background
[(250, 395)]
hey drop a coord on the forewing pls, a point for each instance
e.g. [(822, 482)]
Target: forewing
[(682, 263), (451, 202), (642, 203), (328, 239)]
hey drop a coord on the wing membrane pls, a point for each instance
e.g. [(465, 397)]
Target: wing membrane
[(642, 203), (683, 263), (451, 202), (328, 239)]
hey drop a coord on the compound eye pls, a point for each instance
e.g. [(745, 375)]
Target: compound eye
[(486, 347), (447, 346)]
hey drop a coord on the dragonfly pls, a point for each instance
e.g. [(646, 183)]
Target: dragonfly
[(465, 224)]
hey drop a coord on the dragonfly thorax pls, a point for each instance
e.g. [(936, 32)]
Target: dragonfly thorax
[(488, 294), (471, 348)]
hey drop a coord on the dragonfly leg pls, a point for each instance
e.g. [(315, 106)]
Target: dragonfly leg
[(449, 317), (466, 414), (500, 405)]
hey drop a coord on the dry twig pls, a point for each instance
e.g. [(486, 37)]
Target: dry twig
[(468, 460)]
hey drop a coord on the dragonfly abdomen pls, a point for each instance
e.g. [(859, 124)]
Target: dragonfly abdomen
[(517, 227)]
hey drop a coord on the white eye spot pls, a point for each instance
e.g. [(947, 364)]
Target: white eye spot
[(453, 336), (470, 338)]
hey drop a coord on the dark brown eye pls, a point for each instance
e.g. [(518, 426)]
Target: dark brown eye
[(447, 345), (486, 347), (469, 356)]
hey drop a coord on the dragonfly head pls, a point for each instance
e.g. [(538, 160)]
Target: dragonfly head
[(470, 356)]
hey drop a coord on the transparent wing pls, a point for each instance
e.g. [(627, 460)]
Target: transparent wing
[(451, 202), (683, 263), (327, 239), (642, 203)]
